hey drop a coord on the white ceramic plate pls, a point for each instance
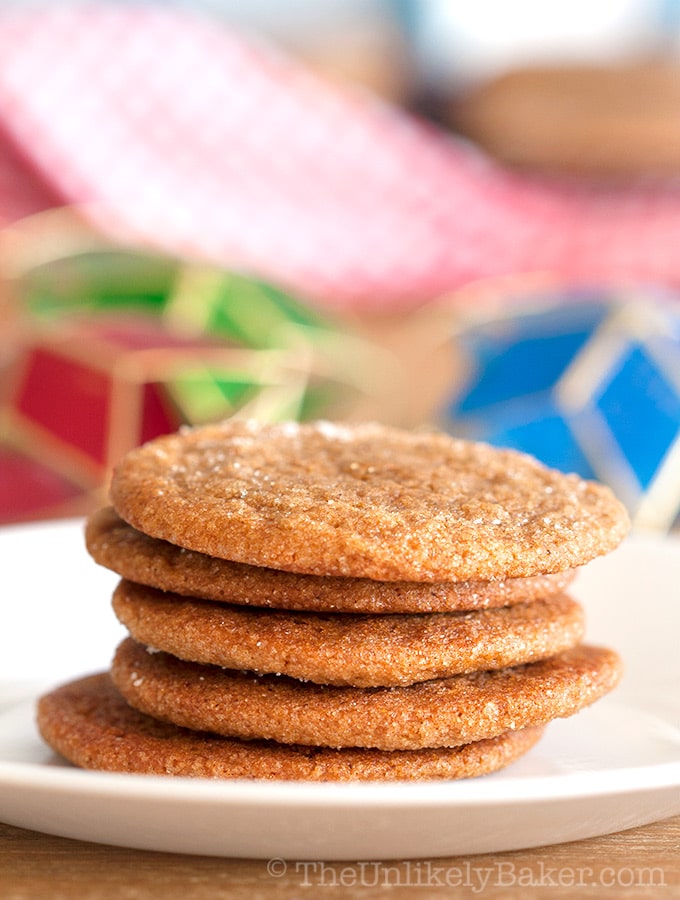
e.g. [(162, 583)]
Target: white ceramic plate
[(613, 766)]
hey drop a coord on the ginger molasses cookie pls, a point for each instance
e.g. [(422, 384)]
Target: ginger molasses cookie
[(444, 712), (364, 501), (89, 723), (358, 650), (151, 561)]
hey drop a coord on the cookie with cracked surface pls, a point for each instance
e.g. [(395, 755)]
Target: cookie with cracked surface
[(355, 650), (154, 562), (444, 712), (89, 724), (364, 501)]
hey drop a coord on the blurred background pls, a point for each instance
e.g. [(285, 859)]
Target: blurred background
[(461, 216)]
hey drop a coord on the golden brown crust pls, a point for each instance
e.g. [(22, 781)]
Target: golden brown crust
[(154, 562), (363, 501), (89, 724), (358, 650), (440, 713)]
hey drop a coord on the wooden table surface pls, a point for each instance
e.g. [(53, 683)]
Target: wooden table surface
[(641, 862)]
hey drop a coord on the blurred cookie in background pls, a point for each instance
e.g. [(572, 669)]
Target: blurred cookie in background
[(607, 120)]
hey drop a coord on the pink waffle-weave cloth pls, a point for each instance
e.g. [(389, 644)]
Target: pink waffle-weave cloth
[(172, 131)]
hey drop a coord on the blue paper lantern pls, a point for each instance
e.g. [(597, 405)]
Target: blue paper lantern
[(588, 383)]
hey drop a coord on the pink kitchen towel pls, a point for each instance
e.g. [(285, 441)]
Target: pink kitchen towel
[(171, 131)]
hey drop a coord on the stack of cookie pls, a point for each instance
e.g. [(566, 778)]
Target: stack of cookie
[(336, 602)]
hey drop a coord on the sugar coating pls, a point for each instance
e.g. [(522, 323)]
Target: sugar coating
[(157, 563), (375, 502), (89, 723), (440, 713), (356, 650)]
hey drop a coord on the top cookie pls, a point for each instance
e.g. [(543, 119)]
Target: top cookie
[(363, 501)]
